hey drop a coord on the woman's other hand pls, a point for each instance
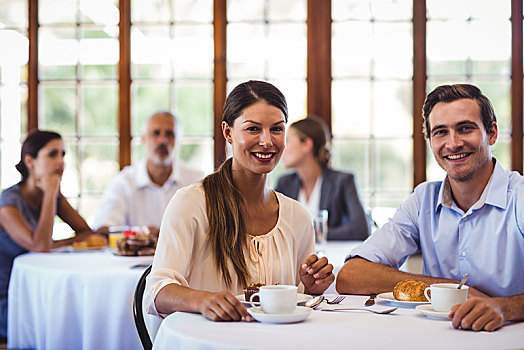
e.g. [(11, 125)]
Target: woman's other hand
[(316, 274), (49, 184), (222, 306)]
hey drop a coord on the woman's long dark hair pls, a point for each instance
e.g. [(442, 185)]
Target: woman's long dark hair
[(33, 143), (224, 202)]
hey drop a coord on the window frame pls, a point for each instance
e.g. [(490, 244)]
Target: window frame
[(318, 76)]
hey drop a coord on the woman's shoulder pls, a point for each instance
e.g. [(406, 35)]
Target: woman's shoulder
[(292, 210), (10, 196), (190, 194), (337, 173)]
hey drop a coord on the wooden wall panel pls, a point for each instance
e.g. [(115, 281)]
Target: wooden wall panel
[(124, 86), (32, 78), (419, 90), (319, 59), (516, 86), (220, 76)]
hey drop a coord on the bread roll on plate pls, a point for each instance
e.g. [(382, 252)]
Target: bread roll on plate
[(410, 290)]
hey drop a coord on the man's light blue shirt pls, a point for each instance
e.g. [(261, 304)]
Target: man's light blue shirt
[(487, 241)]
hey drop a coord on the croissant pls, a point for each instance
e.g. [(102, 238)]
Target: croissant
[(410, 290)]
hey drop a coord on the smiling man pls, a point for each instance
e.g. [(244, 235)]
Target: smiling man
[(471, 222), (139, 194)]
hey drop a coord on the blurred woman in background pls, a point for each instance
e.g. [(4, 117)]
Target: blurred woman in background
[(28, 208), (316, 186)]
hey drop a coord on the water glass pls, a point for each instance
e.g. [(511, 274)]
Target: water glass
[(320, 224)]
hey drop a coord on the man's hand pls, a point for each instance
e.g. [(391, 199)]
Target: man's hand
[(478, 314)]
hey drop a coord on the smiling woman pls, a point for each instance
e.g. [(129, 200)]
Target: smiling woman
[(237, 229)]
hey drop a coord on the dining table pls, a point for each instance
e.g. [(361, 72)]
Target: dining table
[(73, 299), (405, 328)]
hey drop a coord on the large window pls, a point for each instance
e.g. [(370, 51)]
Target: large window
[(267, 40), (14, 48), (78, 92), (372, 97), (172, 69), (478, 53), (95, 70)]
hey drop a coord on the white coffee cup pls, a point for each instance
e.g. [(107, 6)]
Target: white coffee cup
[(276, 299), (445, 295)]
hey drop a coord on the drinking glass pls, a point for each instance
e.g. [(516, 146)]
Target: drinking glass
[(320, 224)]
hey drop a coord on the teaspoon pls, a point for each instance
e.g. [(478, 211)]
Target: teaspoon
[(463, 280), (313, 303)]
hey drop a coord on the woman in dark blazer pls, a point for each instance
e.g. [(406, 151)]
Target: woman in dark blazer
[(314, 182)]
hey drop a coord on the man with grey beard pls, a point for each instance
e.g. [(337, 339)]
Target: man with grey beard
[(139, 194)]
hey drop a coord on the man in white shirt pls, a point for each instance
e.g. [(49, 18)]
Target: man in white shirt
[(139, 194)]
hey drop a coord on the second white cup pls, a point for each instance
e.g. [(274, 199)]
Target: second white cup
[(445, 295), (277, 299)]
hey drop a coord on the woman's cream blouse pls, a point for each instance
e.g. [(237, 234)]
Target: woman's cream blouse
[(184, 257)]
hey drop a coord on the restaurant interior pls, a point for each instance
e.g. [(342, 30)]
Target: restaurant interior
[(95, 70)]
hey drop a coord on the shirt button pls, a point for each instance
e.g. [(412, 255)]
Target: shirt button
[(465, 218), (463, 253)]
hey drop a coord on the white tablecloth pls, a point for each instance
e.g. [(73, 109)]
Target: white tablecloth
[(73, 301), (403, 329)]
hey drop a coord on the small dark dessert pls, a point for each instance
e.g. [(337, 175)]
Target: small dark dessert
[(252, 289), (136, 244)]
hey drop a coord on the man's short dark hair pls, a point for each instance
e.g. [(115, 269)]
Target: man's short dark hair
[(450, 93)]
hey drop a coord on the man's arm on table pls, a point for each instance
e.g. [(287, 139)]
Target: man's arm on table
[(361, 276)]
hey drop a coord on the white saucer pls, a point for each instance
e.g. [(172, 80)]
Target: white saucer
[(301, 299), (390, 298), (431, 313), (300, 314)]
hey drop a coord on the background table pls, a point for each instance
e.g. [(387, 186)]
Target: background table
[(73, 301), (403, 329), (336, 252)]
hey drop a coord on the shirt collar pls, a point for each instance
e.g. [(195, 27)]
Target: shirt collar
[(494, 193), (142, 177)]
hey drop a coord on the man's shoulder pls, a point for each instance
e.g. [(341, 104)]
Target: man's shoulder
[(427, 188), (515, 180), (187, 173), (128, 171), (128, 175)]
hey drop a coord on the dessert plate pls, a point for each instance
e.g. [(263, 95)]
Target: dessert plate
[(390, 298), (70, 249), (300, 314), (431, 313), (301, 299)]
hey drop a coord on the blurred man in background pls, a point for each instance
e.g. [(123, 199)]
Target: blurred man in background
[(139, 194)]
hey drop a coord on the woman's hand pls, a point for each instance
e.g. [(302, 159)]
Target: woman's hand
[(49, 184), (222, 306), (316, 274)]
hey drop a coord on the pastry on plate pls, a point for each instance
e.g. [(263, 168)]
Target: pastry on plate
[(410, 290), (92, 241), (252, 289), (136, 244)]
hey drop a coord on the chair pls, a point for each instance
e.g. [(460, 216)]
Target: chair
[(138, 312)]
